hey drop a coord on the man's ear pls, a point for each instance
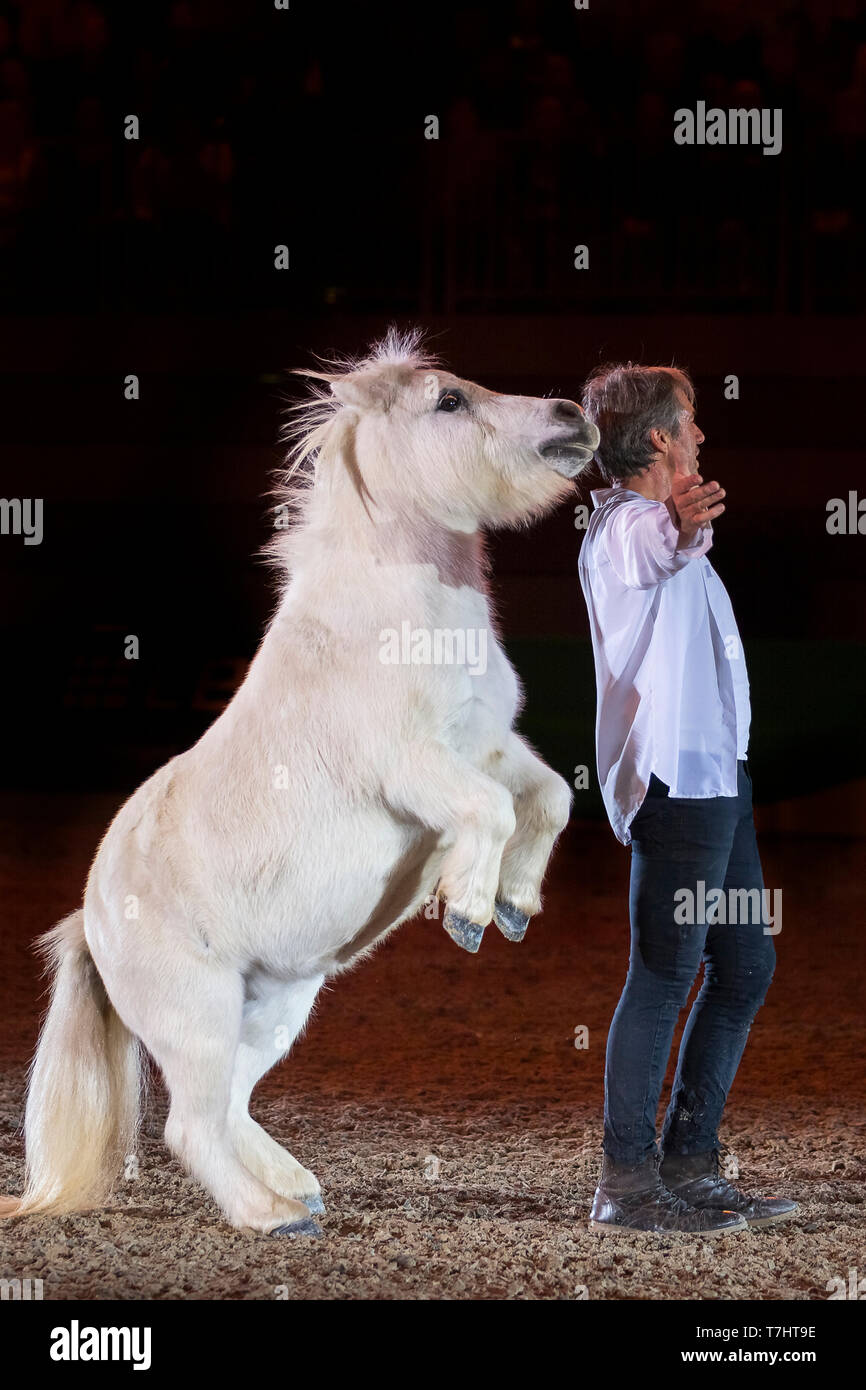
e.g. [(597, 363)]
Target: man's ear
[(660, 440)]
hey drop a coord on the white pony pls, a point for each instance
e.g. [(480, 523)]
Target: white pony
[(352, 776)]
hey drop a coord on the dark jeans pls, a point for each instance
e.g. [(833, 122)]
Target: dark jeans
[(678, 844)]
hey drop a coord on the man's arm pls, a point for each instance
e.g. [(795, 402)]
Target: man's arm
[(647, 544)]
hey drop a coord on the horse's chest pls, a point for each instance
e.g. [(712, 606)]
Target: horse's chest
[(482, 689), (487, 705)]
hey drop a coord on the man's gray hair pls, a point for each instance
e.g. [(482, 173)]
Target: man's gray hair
[(626, 401)]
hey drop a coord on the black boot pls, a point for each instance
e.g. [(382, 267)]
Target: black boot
[(632, 1197), (698, 1180)]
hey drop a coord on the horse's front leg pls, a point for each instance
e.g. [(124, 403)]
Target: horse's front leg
[(542, 802), (473, 813)]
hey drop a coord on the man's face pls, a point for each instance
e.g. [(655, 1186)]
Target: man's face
[(682, 455)]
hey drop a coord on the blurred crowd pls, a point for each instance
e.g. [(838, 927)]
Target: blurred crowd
[(306, 127)]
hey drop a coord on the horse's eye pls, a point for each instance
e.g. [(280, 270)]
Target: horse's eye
[(452, 400)]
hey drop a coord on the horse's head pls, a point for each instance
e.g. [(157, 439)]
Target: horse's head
[(418, 438)]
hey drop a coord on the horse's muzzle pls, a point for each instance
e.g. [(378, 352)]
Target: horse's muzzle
[(572, 452)]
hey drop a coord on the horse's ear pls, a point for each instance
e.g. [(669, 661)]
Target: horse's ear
[(365, 390)]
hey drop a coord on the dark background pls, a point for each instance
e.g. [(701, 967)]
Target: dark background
[(306, 128)]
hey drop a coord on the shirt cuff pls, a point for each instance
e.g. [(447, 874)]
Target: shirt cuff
[(702, 541), (669, 537)]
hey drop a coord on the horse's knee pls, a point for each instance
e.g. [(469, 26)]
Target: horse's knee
[(556, 801), (491, 812), (544, 807)]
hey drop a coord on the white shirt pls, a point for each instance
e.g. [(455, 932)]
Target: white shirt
[(673, 693)]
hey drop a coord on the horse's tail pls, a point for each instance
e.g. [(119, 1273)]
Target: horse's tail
[(85, 1085)]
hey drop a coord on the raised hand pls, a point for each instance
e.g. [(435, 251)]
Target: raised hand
[(693, 504)]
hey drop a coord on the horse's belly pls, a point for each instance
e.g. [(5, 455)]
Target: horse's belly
[(356, 884)]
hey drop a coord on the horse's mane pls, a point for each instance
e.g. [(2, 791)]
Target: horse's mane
[(311, 424)]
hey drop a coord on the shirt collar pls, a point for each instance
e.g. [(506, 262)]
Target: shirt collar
[(601, 494)]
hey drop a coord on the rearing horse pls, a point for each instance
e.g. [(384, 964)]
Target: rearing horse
[(339, 790)]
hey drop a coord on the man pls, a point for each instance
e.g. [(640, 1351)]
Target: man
[(672, 737)]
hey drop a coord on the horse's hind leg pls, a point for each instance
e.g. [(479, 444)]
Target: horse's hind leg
[(190, 1020), (274, 1014)]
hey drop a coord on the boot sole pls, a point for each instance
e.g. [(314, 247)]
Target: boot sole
[(772, 1220), (603, 1228)]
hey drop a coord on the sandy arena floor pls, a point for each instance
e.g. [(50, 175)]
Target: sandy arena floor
[(453, 1124)]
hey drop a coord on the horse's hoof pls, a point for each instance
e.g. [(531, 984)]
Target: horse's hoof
[(305, 1227), (467, 934), (510, 921), (314, 1204)]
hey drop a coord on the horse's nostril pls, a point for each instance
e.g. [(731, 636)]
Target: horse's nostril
[(567, 410)]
